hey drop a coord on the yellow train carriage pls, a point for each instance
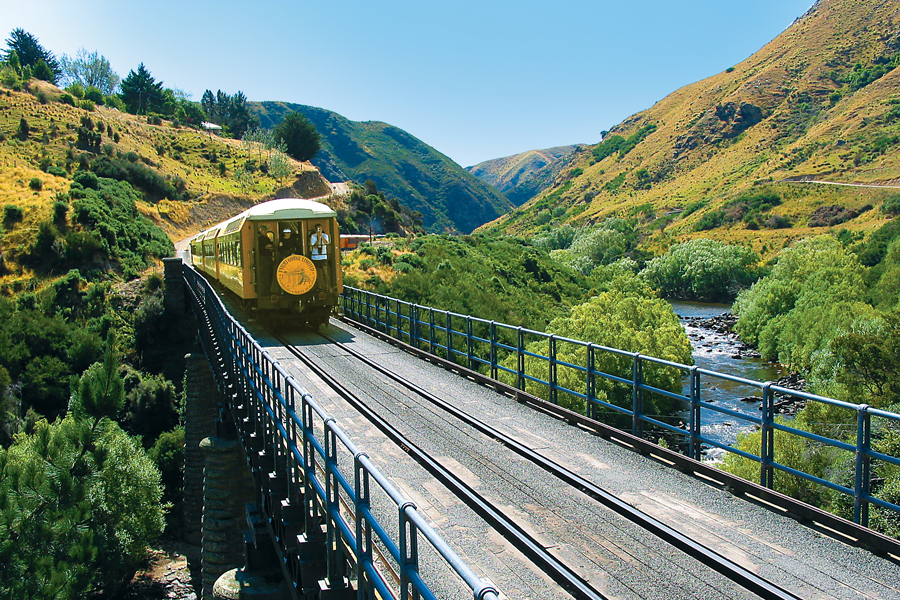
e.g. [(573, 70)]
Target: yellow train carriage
[(282, 254)]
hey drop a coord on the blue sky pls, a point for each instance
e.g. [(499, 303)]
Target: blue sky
[(475, 80)]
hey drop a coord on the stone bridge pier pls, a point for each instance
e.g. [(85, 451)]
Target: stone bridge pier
[(220, 493)]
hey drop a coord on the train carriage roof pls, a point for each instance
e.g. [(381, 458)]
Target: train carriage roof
[(289, 208)]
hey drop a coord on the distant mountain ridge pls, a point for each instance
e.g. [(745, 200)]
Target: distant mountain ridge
[(522, 176), (820, 101), (449, 197)]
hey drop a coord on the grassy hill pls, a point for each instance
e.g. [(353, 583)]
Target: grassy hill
[(187, 177), (523, 176), (722, 157), (449, 198)]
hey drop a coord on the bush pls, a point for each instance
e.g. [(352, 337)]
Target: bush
[(702, 269), (36, 184), (67, 99), (891, 206), (12, 214), (56, 170), (86, 105)]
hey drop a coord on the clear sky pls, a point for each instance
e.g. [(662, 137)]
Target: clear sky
[(476, 80)]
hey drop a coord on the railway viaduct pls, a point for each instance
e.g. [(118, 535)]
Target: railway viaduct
[(292, 494)]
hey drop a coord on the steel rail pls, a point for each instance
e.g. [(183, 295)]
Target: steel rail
[(573, 583), (708, 557)]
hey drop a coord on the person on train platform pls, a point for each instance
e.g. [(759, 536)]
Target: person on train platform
[(318, 243), (265, 240), (288, 244)]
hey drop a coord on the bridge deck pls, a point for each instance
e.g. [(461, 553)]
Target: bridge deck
[(615, 556)]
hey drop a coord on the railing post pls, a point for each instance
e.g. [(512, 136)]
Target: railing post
[(414, 325), (637, 397), (368, 309), (589, 384), (409, 553), (493, 350), (862, 484), (520, 359), (767, 440), (469, 342), (449, 337), (551, 379), (694, 419), (431, 340), (363, 527)]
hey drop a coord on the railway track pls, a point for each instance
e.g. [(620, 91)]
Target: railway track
[(556, 569)]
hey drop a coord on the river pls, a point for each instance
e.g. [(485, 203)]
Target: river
[(722, 353)]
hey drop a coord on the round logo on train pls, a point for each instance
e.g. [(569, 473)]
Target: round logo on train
[(296, 274)]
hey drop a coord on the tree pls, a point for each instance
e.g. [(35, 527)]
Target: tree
[(629, 321), (29, 51), (702, 269), (90, 70), (141, 93), (232, 112), (80, 499), (280, 166), (299, 135)]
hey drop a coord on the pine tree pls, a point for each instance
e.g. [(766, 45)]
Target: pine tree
[(141, 93)]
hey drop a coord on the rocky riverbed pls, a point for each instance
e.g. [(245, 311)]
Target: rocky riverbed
[(716, 335)]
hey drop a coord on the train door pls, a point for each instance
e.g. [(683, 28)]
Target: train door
[(265, 258)]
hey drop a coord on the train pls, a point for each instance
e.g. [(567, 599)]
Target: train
[(281, 257)]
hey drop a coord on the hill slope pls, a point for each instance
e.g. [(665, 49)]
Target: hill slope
[(821, 101), (449, 198), (523, 176), (187, 176)]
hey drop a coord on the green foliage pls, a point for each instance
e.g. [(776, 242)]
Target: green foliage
[(29, 53), (12, 214), (232, 112), (496, 279), (43, 72), (891, 206), (151, 405), (110, 217), (36, 184), (617, 143), (602, 244), (868, 359), (632, 322), (873, 251), (168, 456), (90, 70), (702, 269), (80, 502), (141, 93), (791, 451), (154, 185), (299, 136), (372, 212), (813, 292)]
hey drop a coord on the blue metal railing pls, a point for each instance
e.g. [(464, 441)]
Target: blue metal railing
[(482, 345), (321, 466)]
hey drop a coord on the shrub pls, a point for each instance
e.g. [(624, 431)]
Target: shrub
[(36, 184), (67, 99), (87, 180), (702, 269), (56, 170), (12, 214), (86, 105), (891, 206), (24, 129)]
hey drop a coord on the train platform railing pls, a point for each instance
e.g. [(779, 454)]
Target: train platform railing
[(628, 390), (318, 486)]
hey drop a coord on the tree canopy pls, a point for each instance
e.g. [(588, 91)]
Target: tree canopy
[(30, 53), (299, 136), (90, 70), (141, 93)]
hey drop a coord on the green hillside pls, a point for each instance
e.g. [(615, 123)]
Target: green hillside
[(449, 198), (721, 157), (523, 176)]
